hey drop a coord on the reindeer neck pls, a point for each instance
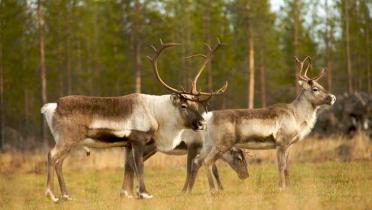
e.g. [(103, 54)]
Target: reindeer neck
[(303, 109), (169, 128)]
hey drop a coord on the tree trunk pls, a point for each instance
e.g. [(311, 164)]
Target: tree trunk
[(207, 39), (328, 51), (137, 45), (26, 110), (68, 52), (2, 119), (43, 80), (250, 67), (368, 61), (348, 58), (295, 36), (262, 82)]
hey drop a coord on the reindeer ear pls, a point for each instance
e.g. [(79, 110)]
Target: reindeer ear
[(300, 80), (175, 98), (303, 83)]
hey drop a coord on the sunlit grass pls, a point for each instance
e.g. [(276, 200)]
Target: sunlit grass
[(319, 180), (328, 185)]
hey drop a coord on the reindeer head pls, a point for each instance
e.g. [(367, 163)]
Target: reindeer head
[(236, 160), (315, 93), (190, 104)]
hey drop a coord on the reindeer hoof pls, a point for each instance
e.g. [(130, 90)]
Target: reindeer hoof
[(51, 195), (144, 195), (214, 192), (126, 194), (66, 197), (281, 189)]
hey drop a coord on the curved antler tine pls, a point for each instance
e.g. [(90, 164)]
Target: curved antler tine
[(219, 41), (196, 55), (208, 46), (208, 57), (309, 65), (322, 73), (300, 67), (148, 57), (307, 57), (297, 60), (217, 92), (307, 68), (154, 62), (153, 48)]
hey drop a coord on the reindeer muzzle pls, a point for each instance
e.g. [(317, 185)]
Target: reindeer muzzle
[(332, 99)]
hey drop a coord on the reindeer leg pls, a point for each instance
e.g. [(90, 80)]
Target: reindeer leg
[(138, 150), (209, 162), (127, 186), (211, 180), (58, 167), (286, 168), (50, 181), (191, 154), (217, 176), (195, 166), (282, 165)]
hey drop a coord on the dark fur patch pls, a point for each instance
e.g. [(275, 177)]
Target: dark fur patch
[(113, 107), (257, 139), (104, 135)]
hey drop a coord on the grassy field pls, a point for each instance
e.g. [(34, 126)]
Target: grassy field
[(94, 182)]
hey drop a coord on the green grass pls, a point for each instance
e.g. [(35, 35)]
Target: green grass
[(327, 185)]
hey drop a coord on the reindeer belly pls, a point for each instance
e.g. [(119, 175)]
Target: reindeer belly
[(257, 142), (256, 134), (101, 138)]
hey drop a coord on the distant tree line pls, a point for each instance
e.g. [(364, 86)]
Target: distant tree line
[(49, 49)]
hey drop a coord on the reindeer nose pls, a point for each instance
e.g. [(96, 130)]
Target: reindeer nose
[(333, 99), (201, 125)]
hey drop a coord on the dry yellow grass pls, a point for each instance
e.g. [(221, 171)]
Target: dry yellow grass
[(320, 179)]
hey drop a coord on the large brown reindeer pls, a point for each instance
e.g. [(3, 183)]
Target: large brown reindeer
[(125, 121), (275, 127), (192, 142)]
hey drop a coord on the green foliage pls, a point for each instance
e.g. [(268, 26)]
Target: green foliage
[(90, 48)]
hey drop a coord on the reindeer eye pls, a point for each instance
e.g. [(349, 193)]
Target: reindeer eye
[(183, 106), (315, 89)]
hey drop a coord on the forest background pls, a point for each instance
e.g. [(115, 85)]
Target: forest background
[(50, 49)]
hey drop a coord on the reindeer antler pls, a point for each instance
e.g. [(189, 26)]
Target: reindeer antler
[(208, 57), (300, 66), (154, 62)]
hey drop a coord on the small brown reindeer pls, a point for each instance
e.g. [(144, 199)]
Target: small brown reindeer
[(275, 127)]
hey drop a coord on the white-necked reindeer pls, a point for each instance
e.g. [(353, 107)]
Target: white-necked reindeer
[(126, 121), (275, 127), (192, 142)]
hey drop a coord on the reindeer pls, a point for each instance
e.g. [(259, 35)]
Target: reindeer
[(191, 144), (126, 121), (275, 127)]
